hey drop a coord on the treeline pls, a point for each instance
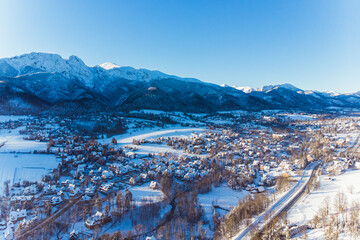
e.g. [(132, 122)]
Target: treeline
[(152, 117)]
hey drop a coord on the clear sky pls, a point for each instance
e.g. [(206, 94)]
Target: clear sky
[(311, 44)]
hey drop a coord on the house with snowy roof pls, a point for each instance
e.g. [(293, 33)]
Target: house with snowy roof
[(106, 174), (154, 185), (56, 200), (97, 219), (17, 215)]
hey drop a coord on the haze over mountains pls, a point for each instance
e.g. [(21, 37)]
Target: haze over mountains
[(46, 82)]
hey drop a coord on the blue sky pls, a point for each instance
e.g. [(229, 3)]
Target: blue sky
[(311, 44)]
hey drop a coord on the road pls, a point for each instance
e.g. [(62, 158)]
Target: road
[(52, 217), (281, 205)]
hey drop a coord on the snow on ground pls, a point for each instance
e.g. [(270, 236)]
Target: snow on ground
[(352, 137), (139, 192), (187, 120), (177, 132), (126, 224), (145, 149), (145, 192), (152, 134), (19, 167), (235, 112), (278, 204), (179, 117), (271, 111), (222, 196), (14, 142), (307, 207), (6, 118), (156, 112), (220, 122), (299, 117)]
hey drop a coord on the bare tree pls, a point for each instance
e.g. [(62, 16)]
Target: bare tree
[(353, 223), (6, 183)]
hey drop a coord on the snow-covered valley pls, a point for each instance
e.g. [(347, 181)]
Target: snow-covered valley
[(151, 169)]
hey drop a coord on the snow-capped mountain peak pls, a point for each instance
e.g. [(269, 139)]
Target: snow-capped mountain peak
[(42, 61), (49, 79), (244, 89), (285, 86), (109, 65), (267, 88), (74, 68)]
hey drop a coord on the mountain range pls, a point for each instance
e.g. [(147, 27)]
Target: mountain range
[(39, 82)]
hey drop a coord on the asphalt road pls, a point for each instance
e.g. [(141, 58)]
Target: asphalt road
[(281, 205)]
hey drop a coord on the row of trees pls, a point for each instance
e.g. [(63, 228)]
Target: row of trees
[(247, 207)]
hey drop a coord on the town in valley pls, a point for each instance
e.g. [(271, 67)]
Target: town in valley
[(172, 175)]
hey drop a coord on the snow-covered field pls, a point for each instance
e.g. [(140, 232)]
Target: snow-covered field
[(145, 149), (14, 142), (6, 118), (307, 207), (16, 166), (139, 193), (299, 117), (19, 167), (156, 112), (144, 192), (222, 196), (235, 112), (152, 134), (352, 137)]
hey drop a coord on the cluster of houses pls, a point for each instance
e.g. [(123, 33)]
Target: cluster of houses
[(8, 125), (250, 160), (244, 154)]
